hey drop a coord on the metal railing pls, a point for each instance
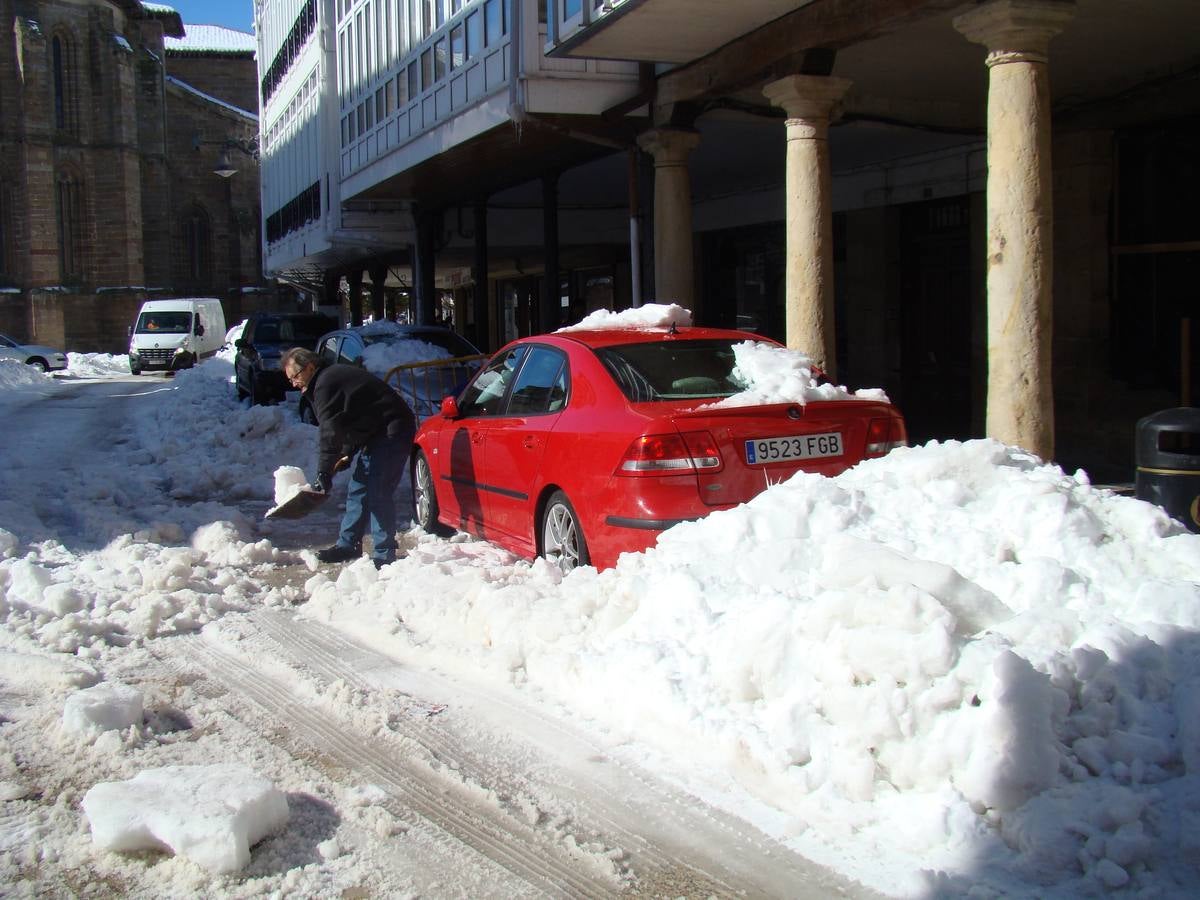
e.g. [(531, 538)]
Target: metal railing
[(424, 384)]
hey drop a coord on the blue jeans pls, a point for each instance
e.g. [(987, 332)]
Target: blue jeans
[(371, 495)]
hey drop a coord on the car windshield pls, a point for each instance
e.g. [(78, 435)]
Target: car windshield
[(672, 370), (170, 322)]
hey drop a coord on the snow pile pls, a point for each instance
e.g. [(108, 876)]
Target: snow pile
[(212, 815), (392, 347), (652, 315), (97, 365), (951, 653), (15, 375), (774, 374)]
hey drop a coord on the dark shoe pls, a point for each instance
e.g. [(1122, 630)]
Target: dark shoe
[(337, 553)]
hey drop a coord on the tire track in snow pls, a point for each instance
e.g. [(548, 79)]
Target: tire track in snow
[(677, 846), (417, 789)]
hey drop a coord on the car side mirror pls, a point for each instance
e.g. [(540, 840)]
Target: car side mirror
[(449, 408), (240, 343)]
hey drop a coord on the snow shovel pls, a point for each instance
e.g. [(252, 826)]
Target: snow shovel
[(305, 501)]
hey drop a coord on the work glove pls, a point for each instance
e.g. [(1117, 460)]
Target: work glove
[(323, 482)]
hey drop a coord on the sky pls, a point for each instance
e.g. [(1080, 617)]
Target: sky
[(953, 670), (236, 14)]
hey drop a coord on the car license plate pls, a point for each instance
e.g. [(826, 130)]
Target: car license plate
[(762, 451)]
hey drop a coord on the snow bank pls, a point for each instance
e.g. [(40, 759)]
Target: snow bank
[(953, 651)]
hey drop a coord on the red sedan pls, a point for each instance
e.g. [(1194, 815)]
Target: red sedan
[(581, 445)]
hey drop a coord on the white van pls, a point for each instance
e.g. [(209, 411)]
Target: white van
[(175, 334)]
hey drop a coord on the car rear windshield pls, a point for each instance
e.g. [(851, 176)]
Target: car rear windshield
[(302, 330), (672, 370)]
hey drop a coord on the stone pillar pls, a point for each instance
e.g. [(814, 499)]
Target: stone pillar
[(674, 279), (809, 102), (1017, 33)]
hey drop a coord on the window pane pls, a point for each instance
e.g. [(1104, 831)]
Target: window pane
[(474, 34), (458, 46), (571, 8), (426, 69), (495, 23), (440, 50)]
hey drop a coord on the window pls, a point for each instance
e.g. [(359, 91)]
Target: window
[(485, 395), (674, 370), (62, 64), (68, 214), (458, 46), (493, 14), (541, 385), (197, 246), (439, 59), (426, 69), (414, 83), (474, 34)]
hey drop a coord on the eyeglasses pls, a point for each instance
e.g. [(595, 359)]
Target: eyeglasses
[(294, 375)]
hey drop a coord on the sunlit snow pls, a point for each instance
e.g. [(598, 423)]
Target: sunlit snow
[(950, 667)]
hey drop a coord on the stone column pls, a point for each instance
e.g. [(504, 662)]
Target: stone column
[(809, 102), (1017, 33), (674, 280)]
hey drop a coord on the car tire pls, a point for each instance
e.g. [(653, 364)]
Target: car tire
[(563, 544), (424, 498), (38, 363)]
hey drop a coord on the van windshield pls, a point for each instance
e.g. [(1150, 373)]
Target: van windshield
[(171, 322)]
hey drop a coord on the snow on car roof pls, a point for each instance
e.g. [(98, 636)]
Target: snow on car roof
[(651, 315)]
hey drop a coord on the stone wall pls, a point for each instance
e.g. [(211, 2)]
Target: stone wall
[(122, 138), (227, 77)]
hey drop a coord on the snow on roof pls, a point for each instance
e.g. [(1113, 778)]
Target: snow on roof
[(651, 315), (211, 99), (212, 39)]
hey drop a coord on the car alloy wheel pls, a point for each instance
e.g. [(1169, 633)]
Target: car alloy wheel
[(425, 505), (563, 544)]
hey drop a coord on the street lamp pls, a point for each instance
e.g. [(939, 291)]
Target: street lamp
[(225, 167)]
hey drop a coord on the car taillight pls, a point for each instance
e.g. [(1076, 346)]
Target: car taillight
[(671, 454), (885, 435)]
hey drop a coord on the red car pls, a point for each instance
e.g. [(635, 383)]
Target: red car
[(581, 445)]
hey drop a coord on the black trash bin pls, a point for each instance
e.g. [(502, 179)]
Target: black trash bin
[(1168, 463)]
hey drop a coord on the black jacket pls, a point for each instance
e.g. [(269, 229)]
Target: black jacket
[(352, 407)]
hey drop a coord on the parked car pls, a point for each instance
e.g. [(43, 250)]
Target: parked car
[(45, 358), (580, 445), (264, 338), (435, 361)]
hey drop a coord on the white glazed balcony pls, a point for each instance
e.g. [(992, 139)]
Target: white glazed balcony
[(463, 91)]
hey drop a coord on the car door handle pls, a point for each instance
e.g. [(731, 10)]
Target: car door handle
[(530, 442)]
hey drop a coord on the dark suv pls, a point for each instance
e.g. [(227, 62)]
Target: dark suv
[(263, 340)]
